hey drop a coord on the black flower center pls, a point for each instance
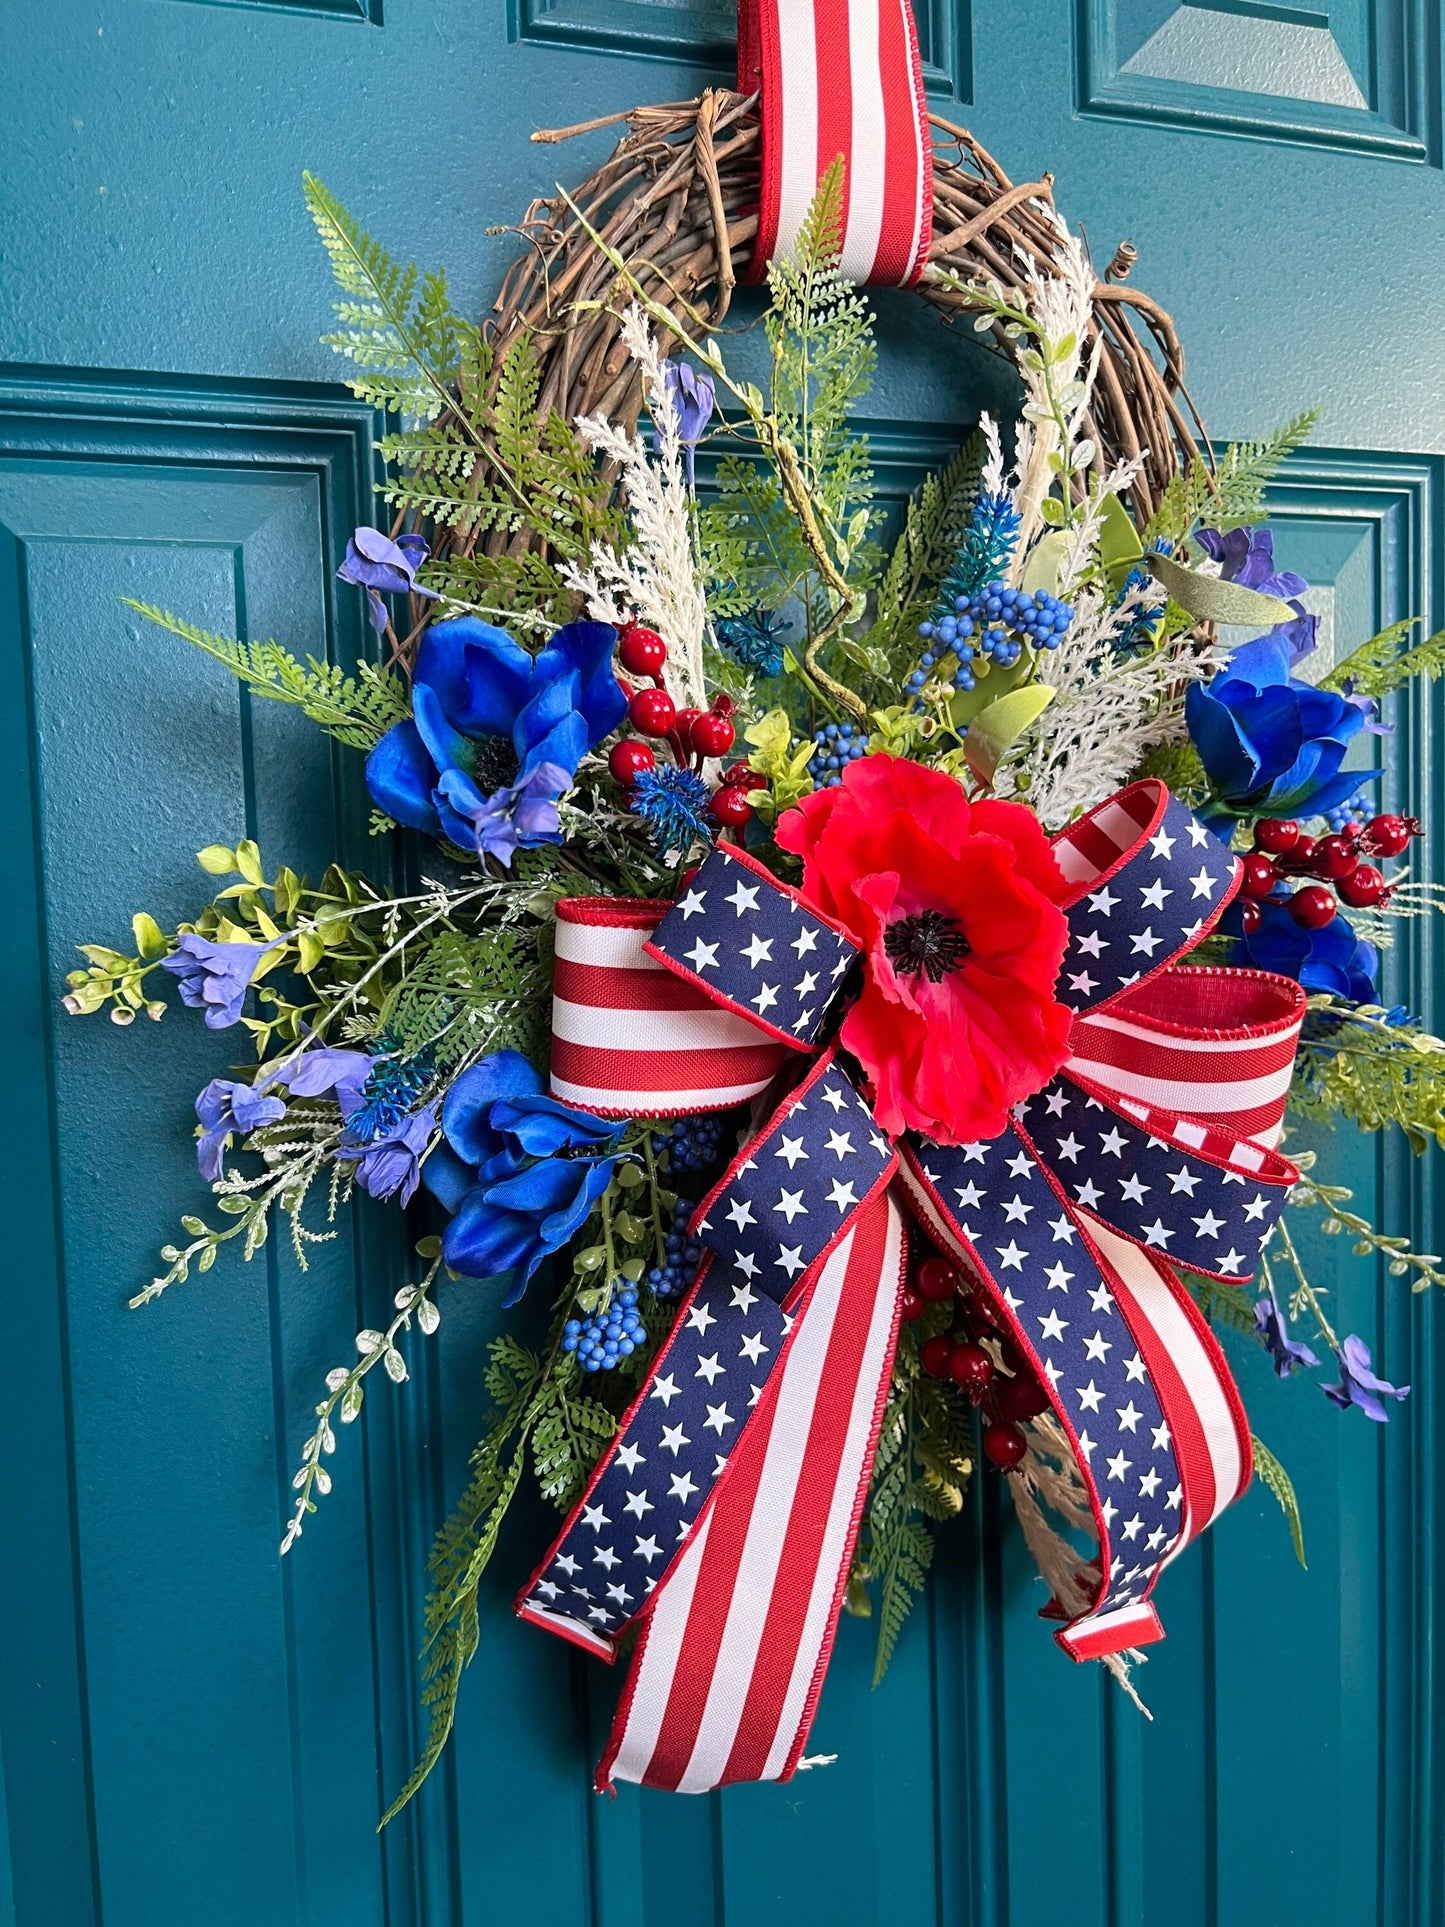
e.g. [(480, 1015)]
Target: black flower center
[(929, 944), (497, 764)]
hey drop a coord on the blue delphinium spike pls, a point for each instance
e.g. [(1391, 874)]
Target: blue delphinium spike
[(673, 804)]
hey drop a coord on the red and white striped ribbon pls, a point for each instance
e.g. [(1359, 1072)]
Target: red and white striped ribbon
[(720, 1695), (841, 77), (631, 1039)]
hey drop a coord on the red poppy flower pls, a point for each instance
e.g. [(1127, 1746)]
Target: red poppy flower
[(956, 907)]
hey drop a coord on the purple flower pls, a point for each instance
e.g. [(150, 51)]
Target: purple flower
[(391, 1164), (214, 977), (383, 567), (224, 1107), (1286, 1352), (1246, 556), (1358, 1385), (314, 1072), (694, 399), (524, 812)]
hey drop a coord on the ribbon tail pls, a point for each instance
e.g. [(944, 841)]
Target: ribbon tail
[(726, 1678)]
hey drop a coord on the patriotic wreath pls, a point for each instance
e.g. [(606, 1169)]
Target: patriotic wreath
[(861, 972)]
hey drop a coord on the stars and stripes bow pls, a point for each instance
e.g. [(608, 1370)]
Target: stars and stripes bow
[(841, 77), (721, 1521)]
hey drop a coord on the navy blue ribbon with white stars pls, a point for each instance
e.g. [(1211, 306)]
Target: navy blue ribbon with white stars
[(1068, 1221)]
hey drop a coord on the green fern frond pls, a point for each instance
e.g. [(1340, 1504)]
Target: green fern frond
[(1233, 494), (357, 710), (1381, 666), (1273, 1475)]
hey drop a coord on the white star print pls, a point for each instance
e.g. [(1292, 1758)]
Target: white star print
[(1086, 1445), (547, 1589), (702, 956), (746, 1263), (566, 1563), (1089, 1396), (1209, 1226), (1091, 944), (974, 1153), (1011, 1255), (1183, 1180), (1069, 1148), (1156, 1538), (1015, 1211), (791, 1259), (629, 1458), (717, 1417), (765, 998), (834, 1098), (1020, 1165), (744, 1297), (674, 1439), (1160, 1437), (1176, 1496), (1113, 1142), (840, 1143), (1083, 983), (806, 984), (1203, 884), (1058, 1278), (1197, 833), (1146, 941), (1102, 902), (1133, 1188), (1231, 1260), (753, 1348), (969, 1196), (594, 1516), (759, 951), (1162, 845), (1063, 1231), (638, 1503), (1119, 1465), (1255, 1210), (691, 905), (1150, 1484), (1153, 897), (605, 1557), (791, 1148), (743, 897), (1158, 1234), (1088, 1194), (1134, 1369), (1128, 1416), (699, 1318), (1098, 1347), (842, 1195), (805, 941), (647, 1549), (790, 1203), (1053, 1326), (665, 1389), (619, 1593), (740, 1213), (1131, 1528), (709, 1367), (683, 1486), (1101, 1299)]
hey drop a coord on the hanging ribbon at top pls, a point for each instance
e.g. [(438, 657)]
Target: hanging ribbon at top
[(841, 77)]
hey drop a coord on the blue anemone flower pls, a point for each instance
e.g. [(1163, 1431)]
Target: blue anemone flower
[(1270, 744), (495, 734), (519, 1171), (1332, 959)]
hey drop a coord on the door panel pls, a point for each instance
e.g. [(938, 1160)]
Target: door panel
[(188, 1729)]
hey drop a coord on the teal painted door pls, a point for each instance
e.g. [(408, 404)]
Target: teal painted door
[(195, 1733)]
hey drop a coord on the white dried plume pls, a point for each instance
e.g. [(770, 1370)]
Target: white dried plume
[(655, 581), (1083, 538), (1107, 710)]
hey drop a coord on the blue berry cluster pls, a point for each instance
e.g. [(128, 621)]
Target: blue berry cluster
[(683, 1255), (1348, 816), (996, 621), (694, 1143), (838, 745), (604, 1340)]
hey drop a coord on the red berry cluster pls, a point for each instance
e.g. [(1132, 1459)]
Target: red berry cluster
[(1008, 1396), (692, 735), (1282, 850)]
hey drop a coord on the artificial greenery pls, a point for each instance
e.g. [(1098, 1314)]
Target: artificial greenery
[(1389, 661), (1231, 494), (1354, 1063)]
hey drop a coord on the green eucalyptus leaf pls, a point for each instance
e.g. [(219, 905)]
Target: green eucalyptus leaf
[(994, 729), (150, 939), (248, 861), (1046, 558), (216, 860), (1209, 599)]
